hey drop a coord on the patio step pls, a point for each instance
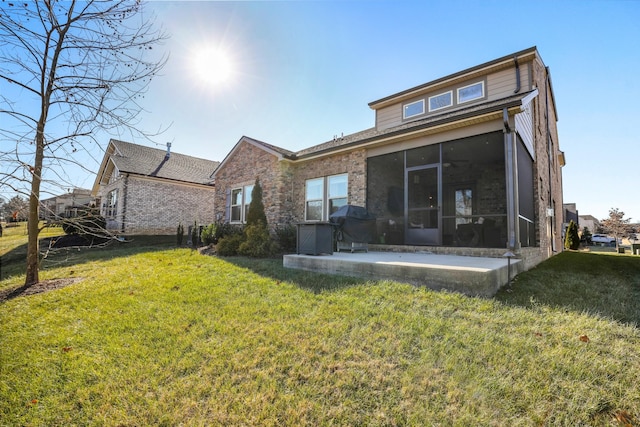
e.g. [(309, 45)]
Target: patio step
[(476, 276)]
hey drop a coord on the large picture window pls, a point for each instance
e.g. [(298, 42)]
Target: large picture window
[(324, 196)]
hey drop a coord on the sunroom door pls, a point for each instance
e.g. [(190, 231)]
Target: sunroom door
[(422, 206)]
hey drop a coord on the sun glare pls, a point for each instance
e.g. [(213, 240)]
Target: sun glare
[(212, 66)]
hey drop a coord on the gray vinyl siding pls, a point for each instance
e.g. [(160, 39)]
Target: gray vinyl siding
[(498, 85)]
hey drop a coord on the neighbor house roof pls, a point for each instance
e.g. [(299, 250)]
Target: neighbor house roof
[(153, 162)]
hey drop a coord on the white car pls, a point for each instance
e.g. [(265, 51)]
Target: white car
[(601, 238)]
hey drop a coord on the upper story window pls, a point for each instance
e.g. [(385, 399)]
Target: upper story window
[(440, 101), (471, 92), (413, 109), (324, 196)]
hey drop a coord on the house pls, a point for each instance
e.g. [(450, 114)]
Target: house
[(66, 205), (143, 190), (590, 222), (467, 161)]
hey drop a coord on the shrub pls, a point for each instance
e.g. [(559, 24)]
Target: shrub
[(571, 238), (256, 213), (229, 245), (208, 235), (195, 235), (258, 243), (287, 237), (180, 234)]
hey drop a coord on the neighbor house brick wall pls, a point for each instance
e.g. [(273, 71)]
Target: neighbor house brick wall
[(152, 206)]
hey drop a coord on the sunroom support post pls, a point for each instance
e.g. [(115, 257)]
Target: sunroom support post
[(511, 175)]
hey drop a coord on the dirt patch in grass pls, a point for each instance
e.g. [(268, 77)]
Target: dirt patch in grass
[(38, 288)]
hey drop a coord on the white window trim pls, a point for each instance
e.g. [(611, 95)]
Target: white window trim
[(232, 205), (450, 92), (404, 109), (481, 83), (243, 205)]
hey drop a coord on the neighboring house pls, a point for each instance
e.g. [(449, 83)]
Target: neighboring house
[(590, 222), (66, 205), (142, 190), (468, 160)]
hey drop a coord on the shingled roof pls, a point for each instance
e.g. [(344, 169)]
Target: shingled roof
[(147, 161)]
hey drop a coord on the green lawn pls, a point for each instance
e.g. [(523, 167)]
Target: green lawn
[(154, 335)]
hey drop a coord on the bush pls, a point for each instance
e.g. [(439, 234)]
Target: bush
[(208, 235), (571, 238), (180, 234), (229, 245), (287, 237), (258, 242)]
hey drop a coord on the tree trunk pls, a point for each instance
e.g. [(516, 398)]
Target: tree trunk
[(33, 226)]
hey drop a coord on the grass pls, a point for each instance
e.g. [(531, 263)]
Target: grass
[(156, 335)]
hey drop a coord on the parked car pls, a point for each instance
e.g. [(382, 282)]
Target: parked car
[(601, 238)]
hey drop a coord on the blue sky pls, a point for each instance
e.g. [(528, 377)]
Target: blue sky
[(304, 71)]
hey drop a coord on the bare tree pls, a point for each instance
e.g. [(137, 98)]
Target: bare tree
[(616, 225), (69, 70)]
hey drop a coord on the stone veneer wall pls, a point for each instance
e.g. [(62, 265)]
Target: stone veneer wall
[(156, 206), (247, 163)]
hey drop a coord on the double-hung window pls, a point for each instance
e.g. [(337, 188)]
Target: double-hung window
[(240, 200), (111, 207), (324, 196)]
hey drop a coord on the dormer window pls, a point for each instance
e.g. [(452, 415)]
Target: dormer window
[(471, 92), (413, 109), (443, 100)]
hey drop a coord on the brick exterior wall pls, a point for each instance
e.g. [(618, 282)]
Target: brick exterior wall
[(283, 182), (547, 177), (155, 206), (246, 163), (352, 163)]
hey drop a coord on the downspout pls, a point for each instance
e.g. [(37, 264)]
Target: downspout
[(124, 201), (515, 60), (513, 241)]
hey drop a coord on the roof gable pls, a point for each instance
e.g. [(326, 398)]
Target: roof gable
[(278, 152)]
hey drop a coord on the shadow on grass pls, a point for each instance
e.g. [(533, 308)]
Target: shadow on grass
[(14, 264), (603, 284), (311, 281)]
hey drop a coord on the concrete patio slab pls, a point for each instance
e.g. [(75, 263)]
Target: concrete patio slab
[(478, 276)]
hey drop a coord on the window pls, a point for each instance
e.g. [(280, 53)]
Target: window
[(236, 205), (111, 206), (240, 200), (443, 100), (314, 198), (413, 109), (324, 196), (337, 192), (464, 205), (471, 92)]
